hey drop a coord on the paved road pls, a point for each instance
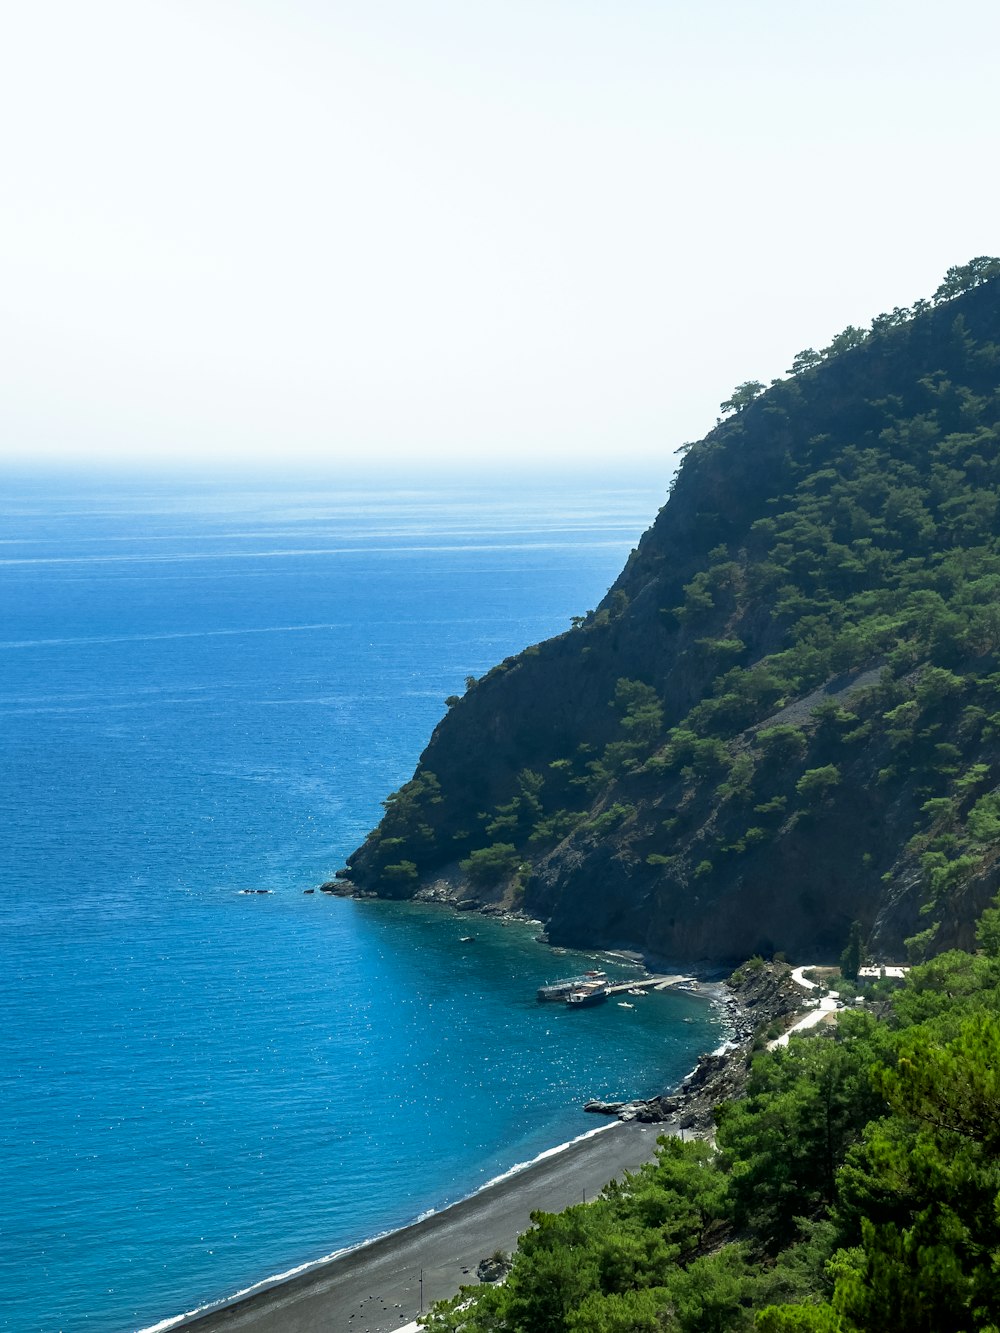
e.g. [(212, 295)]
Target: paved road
[(828, 1005)]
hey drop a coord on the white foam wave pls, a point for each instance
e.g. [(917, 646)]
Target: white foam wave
[(730, 1044), (154, 638), (290, 553), (549, 1152), (274, 1281), (174, 1320), (410, 530)]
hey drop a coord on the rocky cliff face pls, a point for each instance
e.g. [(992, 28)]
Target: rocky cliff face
[(783, 717)]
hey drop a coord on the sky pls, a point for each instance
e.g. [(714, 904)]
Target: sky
[(454, 232)]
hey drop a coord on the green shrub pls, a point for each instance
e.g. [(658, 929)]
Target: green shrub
[(400, 874), (815, 783), (611, 818), (487, 866), (658, 859), (983, 820), (782, 744)]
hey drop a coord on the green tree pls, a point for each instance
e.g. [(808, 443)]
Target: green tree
[(640, 708), (711, 1294), (983, 820), (988, 931), (783, 1144), (847, 339), (681, 1195), (800, 1319), (805, 360), (963, 277), (518, 816), (401, 875), (407, 810), (555, 1269), (850, 959), (619, 1312), (488, 866), (742, 396), (930, 1255), (782, 744), (815, 783)]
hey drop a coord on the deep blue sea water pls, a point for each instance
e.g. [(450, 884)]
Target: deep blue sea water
[(207, 687)]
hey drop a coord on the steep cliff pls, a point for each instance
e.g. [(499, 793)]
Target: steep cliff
[(784, 716)]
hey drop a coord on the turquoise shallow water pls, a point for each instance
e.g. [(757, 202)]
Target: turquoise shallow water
[(207, 688)]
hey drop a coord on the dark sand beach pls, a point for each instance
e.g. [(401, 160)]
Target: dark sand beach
[(376, 1288)]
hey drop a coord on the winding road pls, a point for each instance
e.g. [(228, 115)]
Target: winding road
[(825, 1006)]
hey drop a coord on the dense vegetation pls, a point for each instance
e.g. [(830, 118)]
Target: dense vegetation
[(784, 718), (855, 1189)]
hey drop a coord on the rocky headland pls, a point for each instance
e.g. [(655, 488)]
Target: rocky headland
[(784, 717)]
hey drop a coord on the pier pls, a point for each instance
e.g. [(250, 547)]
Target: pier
[(558, 990), (647, 984)]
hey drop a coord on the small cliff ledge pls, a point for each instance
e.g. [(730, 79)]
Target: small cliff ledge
[(784, 717)]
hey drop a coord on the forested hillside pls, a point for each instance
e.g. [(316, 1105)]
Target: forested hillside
[(853, 1190), (784, 717)]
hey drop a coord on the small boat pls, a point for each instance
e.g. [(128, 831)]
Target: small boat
[(467, 939), (624, 1004)]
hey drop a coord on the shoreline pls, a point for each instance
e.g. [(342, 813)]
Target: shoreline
[(375, 1287)]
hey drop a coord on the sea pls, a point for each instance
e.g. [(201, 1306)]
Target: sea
[(208, 1075)]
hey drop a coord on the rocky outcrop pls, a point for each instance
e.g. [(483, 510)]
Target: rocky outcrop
[(494, 1268), (756, 997)]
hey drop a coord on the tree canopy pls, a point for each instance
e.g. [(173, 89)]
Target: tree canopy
[(742, 396), (853, 1190)]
